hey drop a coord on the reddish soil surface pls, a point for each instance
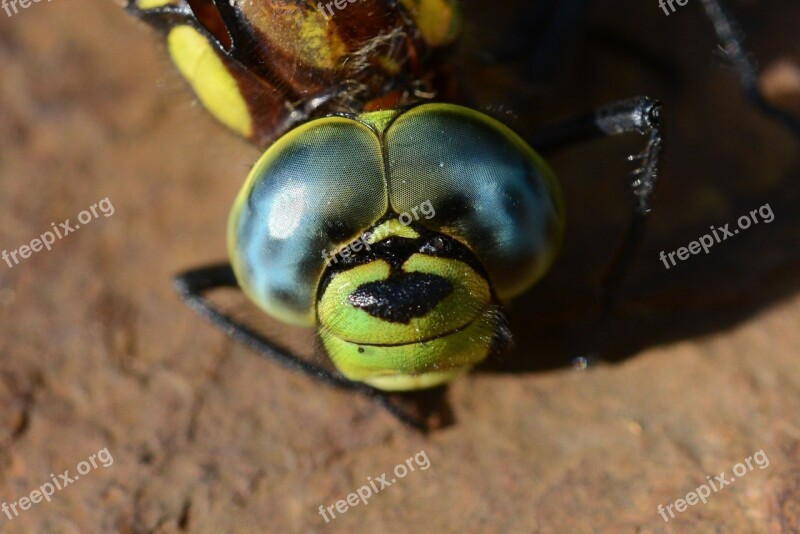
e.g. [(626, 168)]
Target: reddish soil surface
[(701, 370)]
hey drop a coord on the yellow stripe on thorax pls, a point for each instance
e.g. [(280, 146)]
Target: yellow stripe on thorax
[(439, 21), (153, 4), (214, 85)]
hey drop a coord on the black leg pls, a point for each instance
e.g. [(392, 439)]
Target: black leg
[(640, 115), (730, 38), (192, 287)]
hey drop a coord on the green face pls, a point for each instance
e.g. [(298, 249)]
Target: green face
[(396, 234), (398, 318)]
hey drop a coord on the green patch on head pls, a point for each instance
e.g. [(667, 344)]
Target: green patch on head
[(415, 328), (391, 228), (414, 365), (341, 313)]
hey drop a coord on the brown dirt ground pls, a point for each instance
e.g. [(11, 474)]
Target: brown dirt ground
[(97, 351)]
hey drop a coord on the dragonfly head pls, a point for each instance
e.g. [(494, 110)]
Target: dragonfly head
[(397, 234)]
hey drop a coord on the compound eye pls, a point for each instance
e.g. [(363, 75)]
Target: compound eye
[(487, 187), (318, 187)]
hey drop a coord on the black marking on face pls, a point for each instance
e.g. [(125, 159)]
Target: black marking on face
[(403, 297), (396, 250)]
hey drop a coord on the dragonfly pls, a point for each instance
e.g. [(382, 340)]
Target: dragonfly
[(383, 212)]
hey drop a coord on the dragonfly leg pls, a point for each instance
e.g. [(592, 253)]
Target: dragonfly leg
[(422, 411), (640, 115)]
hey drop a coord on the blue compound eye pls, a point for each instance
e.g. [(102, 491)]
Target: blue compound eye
[(489, 189), (460, 173), (317, 187)]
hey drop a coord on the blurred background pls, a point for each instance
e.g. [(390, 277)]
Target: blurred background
[(700, 370)]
